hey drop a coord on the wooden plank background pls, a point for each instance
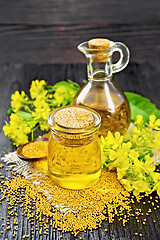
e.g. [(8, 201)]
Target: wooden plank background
[(49, 31)]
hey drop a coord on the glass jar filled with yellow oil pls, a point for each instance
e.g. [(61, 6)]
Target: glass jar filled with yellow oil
[(74, 157)]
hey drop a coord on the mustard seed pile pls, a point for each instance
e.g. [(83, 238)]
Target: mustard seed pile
[(35, 149), (69, 210), (74, 118)]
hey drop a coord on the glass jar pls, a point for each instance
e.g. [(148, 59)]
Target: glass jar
[(74, 157), (100, 92)]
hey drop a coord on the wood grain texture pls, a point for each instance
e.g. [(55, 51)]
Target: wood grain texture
[(140, 78), (78, 12), (49, 31), (58, 44)]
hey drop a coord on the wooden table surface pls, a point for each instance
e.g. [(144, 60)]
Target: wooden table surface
[(38, 40), (142, 78)]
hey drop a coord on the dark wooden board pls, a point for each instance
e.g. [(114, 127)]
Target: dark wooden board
[(78, 12), (58, 44), (49, 31), (140, 78)]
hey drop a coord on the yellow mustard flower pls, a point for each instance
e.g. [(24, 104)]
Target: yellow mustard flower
[(37, 88), (139, 120), (18, 129), (140, 186), (153, 123), (18, 100)]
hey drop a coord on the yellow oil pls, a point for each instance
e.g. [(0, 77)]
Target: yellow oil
[(74, 167), (114, 120), (111, 104)]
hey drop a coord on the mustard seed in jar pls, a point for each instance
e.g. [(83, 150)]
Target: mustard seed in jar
[(73, 148)]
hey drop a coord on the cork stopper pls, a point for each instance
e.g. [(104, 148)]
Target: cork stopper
[(99, 44), (74, 118)]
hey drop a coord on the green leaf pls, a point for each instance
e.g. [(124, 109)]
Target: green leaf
[(143, 154), (69, 85), (84, 81), (141, 106), (24, 114), (10, 111), (73, 84)]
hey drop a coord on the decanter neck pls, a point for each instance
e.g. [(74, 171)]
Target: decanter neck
[(100, 66), (99, 71)]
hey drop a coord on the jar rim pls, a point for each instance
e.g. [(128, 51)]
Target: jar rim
[(87, 130)]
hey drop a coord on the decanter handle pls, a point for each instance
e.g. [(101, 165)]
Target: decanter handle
[(124, 57)]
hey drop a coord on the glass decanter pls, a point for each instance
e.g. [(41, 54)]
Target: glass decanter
[(100, 92)]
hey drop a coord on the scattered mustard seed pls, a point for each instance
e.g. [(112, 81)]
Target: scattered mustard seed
[(1, 165), (86, 208), (14, 234)]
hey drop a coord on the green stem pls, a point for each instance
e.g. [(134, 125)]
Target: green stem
[(50, 90), (28, 102), (142, 148), (49, 100), (27, 108), (34, 129)]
